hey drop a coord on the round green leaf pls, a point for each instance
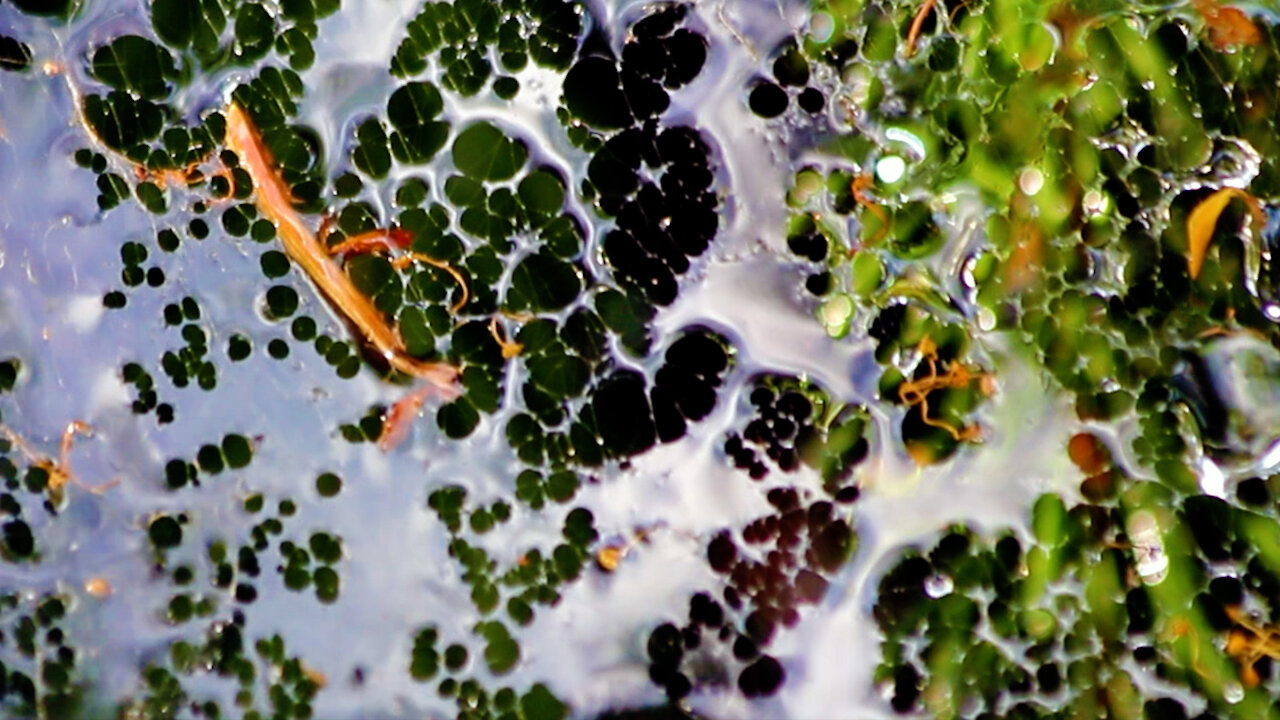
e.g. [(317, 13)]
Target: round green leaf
[(413, 105), (541, 192), (328, 484), (501, 653), (561, 375), (371, 155), (458, 419), (135, 63), (463, 191), (417, 145), (545, 283), (563, 236), (237, 450), (484, 153), (419, 341), (175, 21), (165, 532), (371, 273), (255, 31), (540, 704), (282, 301)]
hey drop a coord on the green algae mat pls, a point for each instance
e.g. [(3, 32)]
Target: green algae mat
[(538, 359)]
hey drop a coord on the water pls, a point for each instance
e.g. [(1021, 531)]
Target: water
[(58, 256)]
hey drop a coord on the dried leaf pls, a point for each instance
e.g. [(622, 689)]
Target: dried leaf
[(1229, 27), (98, 587), (610, 557), (1204, 218)]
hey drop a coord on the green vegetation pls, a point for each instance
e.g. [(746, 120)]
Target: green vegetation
[(1086, 133)]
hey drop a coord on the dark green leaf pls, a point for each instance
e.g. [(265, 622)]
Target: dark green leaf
[(485, 153), (14, 55), (501, 653), (136, 64), (542, 282), (255, 31), (371, 154), (413, 105), (463, 191), (563, 376), (542, 192), (418, 145), (458, 419), (237, 451), (540, 704)]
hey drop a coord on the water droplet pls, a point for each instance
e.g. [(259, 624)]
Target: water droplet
[(1148, 548), (1094, 203), (1233, 692), (1271, 458), (938, 585), (986, 319), (1030, 181), (835, 315), (820, 27), (1212, 481), (890, 168), (907, 138)]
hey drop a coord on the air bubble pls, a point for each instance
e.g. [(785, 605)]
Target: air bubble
[(938, 585), (890, 168), (1148, 548), (1030, 181), (1233, 692), (1212, 481), (1094, 203), (986, 319), (836, 314), (821, 26), (909, 139)]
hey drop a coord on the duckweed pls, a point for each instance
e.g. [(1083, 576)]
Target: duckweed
[(1006, 218)]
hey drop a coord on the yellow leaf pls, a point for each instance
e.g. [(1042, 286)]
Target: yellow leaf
[(1204, 218)]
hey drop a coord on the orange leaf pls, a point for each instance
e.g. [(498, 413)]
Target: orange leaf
[(1204, 218), (1229, 27)]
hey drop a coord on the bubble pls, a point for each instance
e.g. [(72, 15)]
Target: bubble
[(1030, 181), (907, 138), (938, 586), (986, 319), (1153, 563), (858, 82), (821, 26), (836, 314), (1233, 692), (1271, 458), (1094, 203), (1212, 481), (890, 168)]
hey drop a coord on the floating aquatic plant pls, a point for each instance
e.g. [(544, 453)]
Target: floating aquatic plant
[(502, 229)]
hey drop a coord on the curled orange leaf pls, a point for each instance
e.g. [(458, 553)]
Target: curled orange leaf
[(1204, 218)]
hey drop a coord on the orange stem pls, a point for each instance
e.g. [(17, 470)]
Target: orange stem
[(914, 33), (273, 198)]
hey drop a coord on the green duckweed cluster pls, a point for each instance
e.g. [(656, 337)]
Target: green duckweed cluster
[(1018, 177)]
